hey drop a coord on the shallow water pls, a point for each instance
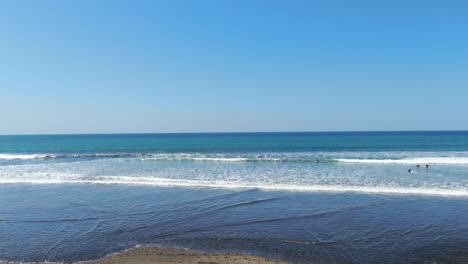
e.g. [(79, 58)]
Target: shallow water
[(300, 197), (78, 222)]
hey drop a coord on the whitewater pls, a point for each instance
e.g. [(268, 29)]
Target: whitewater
[(343, 197), (363, 172)]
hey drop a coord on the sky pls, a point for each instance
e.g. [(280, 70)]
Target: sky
[(230, 66)]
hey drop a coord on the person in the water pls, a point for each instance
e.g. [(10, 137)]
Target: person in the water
[(417, 165), (409, 171), (427, 165)]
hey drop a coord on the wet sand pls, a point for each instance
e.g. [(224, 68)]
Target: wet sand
[(146, 255)]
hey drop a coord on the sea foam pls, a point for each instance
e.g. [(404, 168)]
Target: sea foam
[(166, 182), (422, 160), (21, 156), (457, 158)]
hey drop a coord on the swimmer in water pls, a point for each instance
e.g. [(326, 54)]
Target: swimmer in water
[(409, 171), (427, 166), (417, 165)]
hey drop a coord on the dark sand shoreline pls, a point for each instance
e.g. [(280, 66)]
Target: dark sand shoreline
[(147, 255)]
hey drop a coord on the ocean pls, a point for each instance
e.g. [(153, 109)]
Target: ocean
[(322, 197)]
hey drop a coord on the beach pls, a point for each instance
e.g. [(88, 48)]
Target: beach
[(150, 255), (146, 255), (233, 132), (296, 198)]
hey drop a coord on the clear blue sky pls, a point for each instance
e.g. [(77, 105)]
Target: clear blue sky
[(191, 66)]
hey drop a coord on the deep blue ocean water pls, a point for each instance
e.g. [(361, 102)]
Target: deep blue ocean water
[(328, 197)]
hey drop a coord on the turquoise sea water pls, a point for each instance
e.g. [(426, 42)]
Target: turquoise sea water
[(232, 142), (303, 197), (353, 161)]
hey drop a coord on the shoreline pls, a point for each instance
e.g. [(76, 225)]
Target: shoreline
[(147, 255), (150, 255)]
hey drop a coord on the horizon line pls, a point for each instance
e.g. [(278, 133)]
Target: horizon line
[(232, 132)]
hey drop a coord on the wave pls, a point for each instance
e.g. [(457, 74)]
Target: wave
[(155, 157), (214, 157), (20, 156), (166, 182), (61, 156), (370, 158), (423, 160)]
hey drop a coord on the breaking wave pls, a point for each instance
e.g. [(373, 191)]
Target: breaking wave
[(424, 160), (58, 156), (459, 158), (144, 156), (20, 156), (166, 182)]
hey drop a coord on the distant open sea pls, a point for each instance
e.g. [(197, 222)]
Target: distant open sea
[(324, 197)]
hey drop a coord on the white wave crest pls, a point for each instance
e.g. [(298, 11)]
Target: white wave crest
[(455, 158), (21, 156), (209, 157), (423, 160), (166, 182)]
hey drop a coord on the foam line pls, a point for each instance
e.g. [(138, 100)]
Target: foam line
[(418, 158), (19, 156), (422, 161), (239, 185)]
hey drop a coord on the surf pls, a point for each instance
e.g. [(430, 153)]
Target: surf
[(450, 158), (166, 182), (21, 156), (420, 160)]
